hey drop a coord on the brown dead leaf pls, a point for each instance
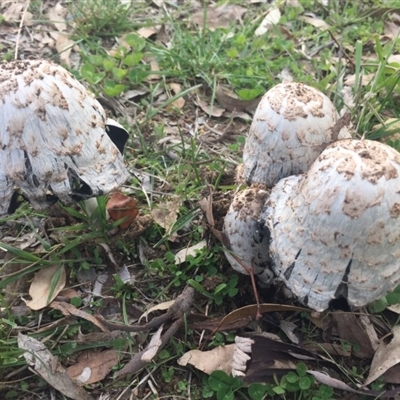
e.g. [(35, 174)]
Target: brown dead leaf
[(337, 384), (316, 22), (166, 214), (352, 330), (231, 102), (219, 358), (206, 205), (93, 366), (330, 348), (70, 310), (98, 337), (121, 206), (153, 347), (211, 109), (179, 102), (146, 32), (158, 307), (342, 122), (181, 255), (271, 18), (63, 45), (392, 29), (386, 356), (48, 367), (269, 357), (219, 17), (251, 310), (15, 12), (41, 287), (365, 79), (56, 16)]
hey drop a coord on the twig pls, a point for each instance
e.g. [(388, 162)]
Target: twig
[(27, 3)]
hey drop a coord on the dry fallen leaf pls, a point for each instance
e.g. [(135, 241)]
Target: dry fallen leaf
[(93, 366), (219, 17), (272, 18), (121, 206), (153, 347), (15, 12), (41, 289), (350, 328), (211, 110), (317, 22), (179, 102), (146, 32), (56, 16), (386, 356), (219, 358), (70, 310), (231, 102), (63, 45), (251, 310), (166, 214), (158, 307), (47, 366), (181, 255)]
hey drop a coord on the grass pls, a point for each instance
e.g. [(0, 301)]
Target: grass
[(168, 159)]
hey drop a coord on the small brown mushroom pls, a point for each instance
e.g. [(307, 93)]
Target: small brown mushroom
[(54, 137)]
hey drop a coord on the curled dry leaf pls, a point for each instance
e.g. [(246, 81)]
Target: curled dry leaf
[(68, 310), (121, 206), (15, 11), (250, 312), (350, 328), (158, 307), (46, 285), (56, 16), (219, 358), (231, 102), (180, 101), (181, 255), (317, 22), (272, 18), (166, 214), (211, 109), (153, 347), (386, 356)]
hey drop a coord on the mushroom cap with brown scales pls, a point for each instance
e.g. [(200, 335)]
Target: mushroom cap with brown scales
[(335, 231), (292, 125), (54, 137)]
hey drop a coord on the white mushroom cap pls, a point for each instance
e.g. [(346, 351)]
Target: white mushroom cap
[(291, 127), (53, 139), (335, 231), (248, 241)]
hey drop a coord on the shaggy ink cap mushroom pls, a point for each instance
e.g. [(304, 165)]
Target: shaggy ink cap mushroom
[(335, 231), (291, 127), (247, 240), (54, 137)]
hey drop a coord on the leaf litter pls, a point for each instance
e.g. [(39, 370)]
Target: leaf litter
[(341, 334)]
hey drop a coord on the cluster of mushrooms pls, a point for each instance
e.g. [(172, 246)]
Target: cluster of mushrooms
[(55, 140), (321, 213)]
